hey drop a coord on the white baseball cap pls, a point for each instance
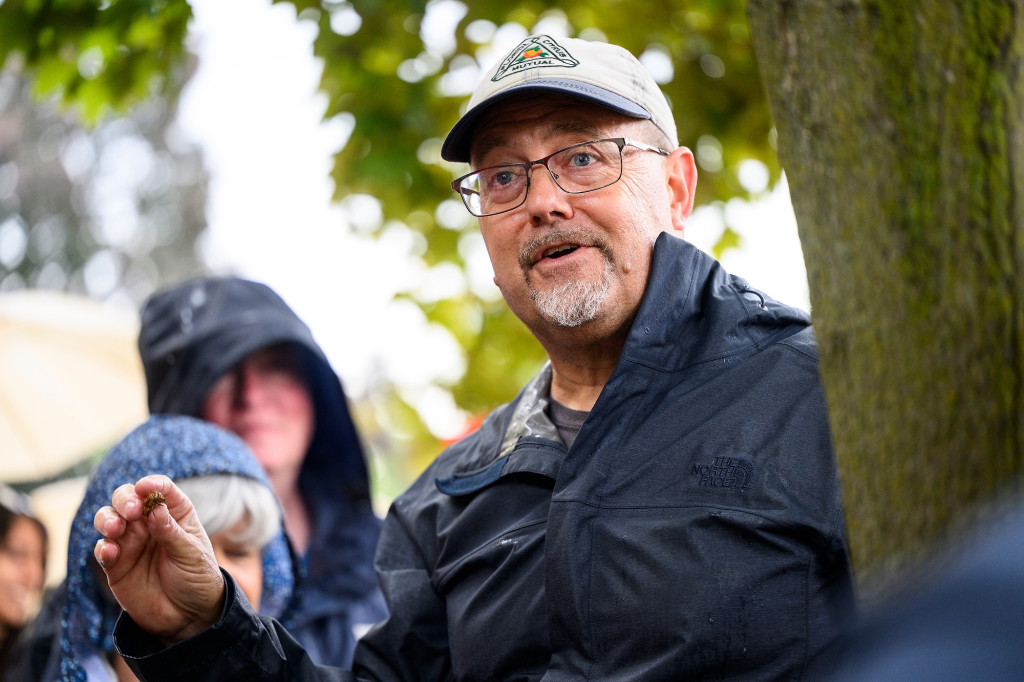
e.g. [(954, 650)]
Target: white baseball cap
[(598, 72)]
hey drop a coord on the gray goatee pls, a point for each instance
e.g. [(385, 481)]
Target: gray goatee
[(573, 303)]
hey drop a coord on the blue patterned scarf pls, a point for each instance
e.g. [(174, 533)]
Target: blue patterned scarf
[(179, 447)]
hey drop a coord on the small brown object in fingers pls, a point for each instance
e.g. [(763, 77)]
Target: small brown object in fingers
[(151, 501)]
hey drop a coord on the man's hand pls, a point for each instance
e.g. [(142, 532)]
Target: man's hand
[(160, 567)]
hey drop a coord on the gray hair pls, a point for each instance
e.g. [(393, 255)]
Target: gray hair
[(222, 500)]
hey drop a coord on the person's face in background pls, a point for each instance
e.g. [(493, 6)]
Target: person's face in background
[(22, 564), (243, 561), (265, 400)]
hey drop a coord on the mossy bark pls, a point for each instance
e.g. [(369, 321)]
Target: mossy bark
[(900, 129)]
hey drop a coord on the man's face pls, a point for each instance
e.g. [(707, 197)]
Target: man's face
[(572, 261), (265, 401)]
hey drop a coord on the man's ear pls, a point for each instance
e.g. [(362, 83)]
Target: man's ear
[(681, 176)]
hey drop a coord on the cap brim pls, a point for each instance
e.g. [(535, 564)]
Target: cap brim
[(456, 145)]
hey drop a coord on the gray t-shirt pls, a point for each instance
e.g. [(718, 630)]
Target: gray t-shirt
[(567, 420)]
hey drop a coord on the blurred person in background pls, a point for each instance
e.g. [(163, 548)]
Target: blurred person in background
[(71, 640), (231, 351), (22, 567), (959, 617)]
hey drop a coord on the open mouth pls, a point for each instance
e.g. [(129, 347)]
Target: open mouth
[(554, 245), (560, 250)]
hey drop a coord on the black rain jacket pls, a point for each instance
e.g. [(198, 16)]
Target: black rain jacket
[(694, 531)]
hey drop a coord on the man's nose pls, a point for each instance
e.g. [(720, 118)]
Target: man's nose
[(543, 195)]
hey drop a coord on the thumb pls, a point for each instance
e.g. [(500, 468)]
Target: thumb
[(182, 537), (164, 528), (190, 576)]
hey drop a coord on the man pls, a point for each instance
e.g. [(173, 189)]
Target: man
[(660, 503), (232, 352)]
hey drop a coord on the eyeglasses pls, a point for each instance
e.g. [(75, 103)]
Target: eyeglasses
[(583, 167)]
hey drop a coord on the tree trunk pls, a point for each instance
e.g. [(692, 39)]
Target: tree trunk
[(900, 129)]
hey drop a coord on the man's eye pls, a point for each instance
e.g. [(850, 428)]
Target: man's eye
[(504, 178), (581, 159)]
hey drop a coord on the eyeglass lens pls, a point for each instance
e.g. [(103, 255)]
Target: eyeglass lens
[(580, 168)]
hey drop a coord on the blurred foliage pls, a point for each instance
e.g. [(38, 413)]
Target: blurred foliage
[(99, 57), (111, 212), (403, 71)]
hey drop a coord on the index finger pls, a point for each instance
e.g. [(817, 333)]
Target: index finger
[(126, 502), (109, 523), (128, 499)]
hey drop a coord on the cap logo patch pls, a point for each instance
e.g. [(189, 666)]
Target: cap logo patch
[(535, 52)]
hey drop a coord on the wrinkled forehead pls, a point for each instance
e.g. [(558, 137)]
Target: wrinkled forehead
[(538, 118)]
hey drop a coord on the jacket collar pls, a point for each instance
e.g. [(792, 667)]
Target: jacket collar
[(530, 417), (692, 312)]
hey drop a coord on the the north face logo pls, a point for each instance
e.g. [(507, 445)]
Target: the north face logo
[(725, 472), (535, 52)]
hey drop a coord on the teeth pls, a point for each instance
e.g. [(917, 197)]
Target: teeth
[(558, 251)]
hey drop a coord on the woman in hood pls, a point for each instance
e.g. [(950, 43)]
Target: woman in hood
[(232, 352), (71, 640)]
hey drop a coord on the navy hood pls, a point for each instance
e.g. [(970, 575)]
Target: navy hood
[(194, 332)]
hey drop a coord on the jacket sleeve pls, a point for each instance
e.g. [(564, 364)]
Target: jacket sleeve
[(412, 642), (242, 645)]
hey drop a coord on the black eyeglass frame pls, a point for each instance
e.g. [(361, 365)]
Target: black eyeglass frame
[(620, 142)]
